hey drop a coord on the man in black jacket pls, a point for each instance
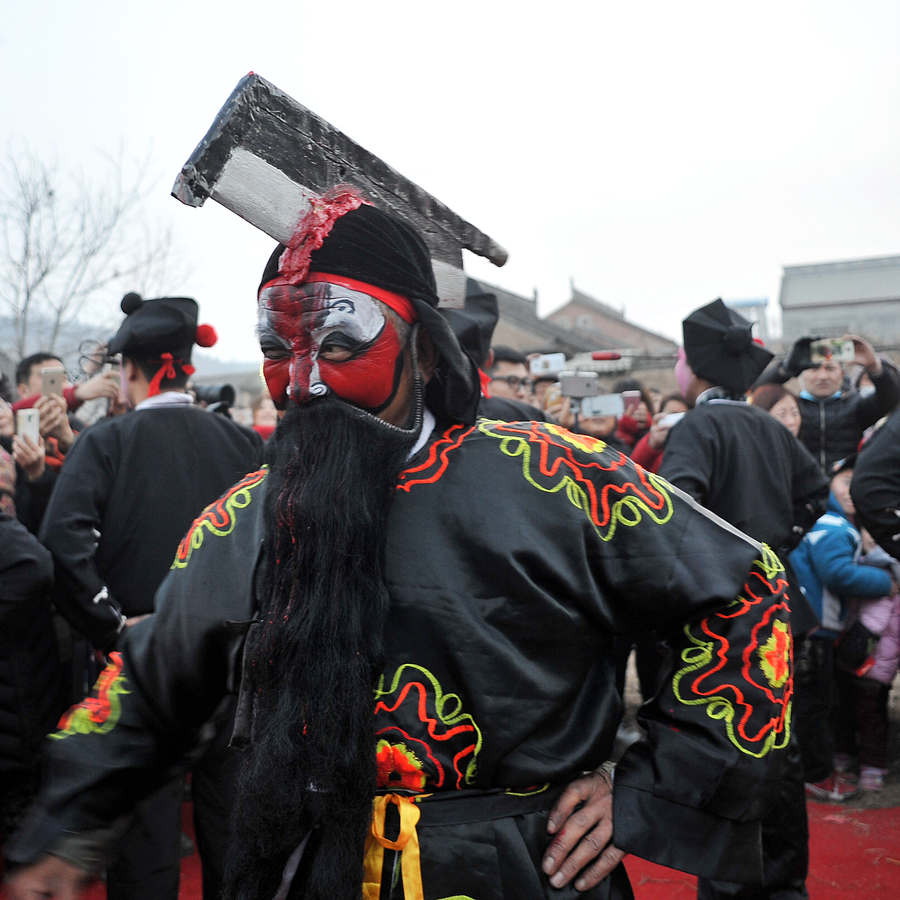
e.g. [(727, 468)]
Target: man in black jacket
[(835, 416)]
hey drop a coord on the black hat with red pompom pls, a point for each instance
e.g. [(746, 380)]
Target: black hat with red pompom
[(163, 328), (161, 325)]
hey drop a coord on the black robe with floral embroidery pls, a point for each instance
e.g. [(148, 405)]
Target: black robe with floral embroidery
[(515, 552)]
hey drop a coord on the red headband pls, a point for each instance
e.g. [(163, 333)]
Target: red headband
[(397, 302)]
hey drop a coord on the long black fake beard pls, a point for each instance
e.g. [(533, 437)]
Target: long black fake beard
[(311, 767)]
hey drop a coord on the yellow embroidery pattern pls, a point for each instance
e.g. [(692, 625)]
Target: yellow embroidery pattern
[(753, 700), (218, 518)]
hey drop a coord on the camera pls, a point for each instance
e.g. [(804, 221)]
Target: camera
[(215, 395)]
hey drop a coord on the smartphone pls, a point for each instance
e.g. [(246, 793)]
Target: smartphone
[(52, 381), (631, 401), (602, 405), (671, 419), (579, 384), (28, 424), (831, 348), (547, 363)]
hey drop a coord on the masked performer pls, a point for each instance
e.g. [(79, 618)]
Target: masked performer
[(417, 611)]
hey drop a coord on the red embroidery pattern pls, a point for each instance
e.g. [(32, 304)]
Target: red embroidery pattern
[(398, 767), (435, 735), (434, 467), (555, 460), (218, 518), (755, 710), (98, 714)]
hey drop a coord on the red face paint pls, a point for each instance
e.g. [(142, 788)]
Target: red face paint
[(320, 337)]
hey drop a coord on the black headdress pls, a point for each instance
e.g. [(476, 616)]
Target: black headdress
[(368, 244), (719, 346)]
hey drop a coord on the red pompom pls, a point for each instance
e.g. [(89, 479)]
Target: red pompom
[(206, 336)]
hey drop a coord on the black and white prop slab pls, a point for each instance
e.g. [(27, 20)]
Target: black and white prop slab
[(266, 155)]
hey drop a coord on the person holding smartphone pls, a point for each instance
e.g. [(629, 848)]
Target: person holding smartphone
[(648, 451), (834, 415), (635, 420)]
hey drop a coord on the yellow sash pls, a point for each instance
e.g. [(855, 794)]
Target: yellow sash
[(407, 843)]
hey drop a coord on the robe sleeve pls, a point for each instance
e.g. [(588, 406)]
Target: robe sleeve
[(717, 730), (69, 531)]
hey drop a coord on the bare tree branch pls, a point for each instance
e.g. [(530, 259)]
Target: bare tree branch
[(70, 245)]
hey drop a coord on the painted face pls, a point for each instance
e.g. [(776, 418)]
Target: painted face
[(323, 337)]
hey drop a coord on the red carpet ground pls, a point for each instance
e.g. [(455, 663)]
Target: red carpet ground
[(854, 855)]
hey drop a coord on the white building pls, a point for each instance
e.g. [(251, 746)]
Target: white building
[(754, 309), (857, 296)]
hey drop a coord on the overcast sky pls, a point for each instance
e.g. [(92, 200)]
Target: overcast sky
[(660, 154)]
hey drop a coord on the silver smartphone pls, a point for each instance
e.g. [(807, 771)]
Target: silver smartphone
[(52, 381), (671, 419), (28, 424), (602, 405), (547, 363), (832, 348), (579, 384)]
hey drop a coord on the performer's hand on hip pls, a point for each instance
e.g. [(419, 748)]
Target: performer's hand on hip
[(582, 843), (50, 876)]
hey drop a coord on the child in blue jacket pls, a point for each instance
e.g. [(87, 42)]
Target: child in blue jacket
[(826, 563)]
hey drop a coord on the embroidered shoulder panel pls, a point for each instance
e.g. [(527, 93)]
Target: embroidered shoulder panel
[(745, 684), (435, 465), (554, 460), (219, 518)]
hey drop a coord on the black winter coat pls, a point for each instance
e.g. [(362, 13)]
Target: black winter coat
[(832, 428), (876, 486), (31, 683)]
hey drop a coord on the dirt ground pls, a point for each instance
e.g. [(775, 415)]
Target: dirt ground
[(888, 797)]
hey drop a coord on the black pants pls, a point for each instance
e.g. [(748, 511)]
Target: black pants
[(814, 700), (862, 720), (148, 859)]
